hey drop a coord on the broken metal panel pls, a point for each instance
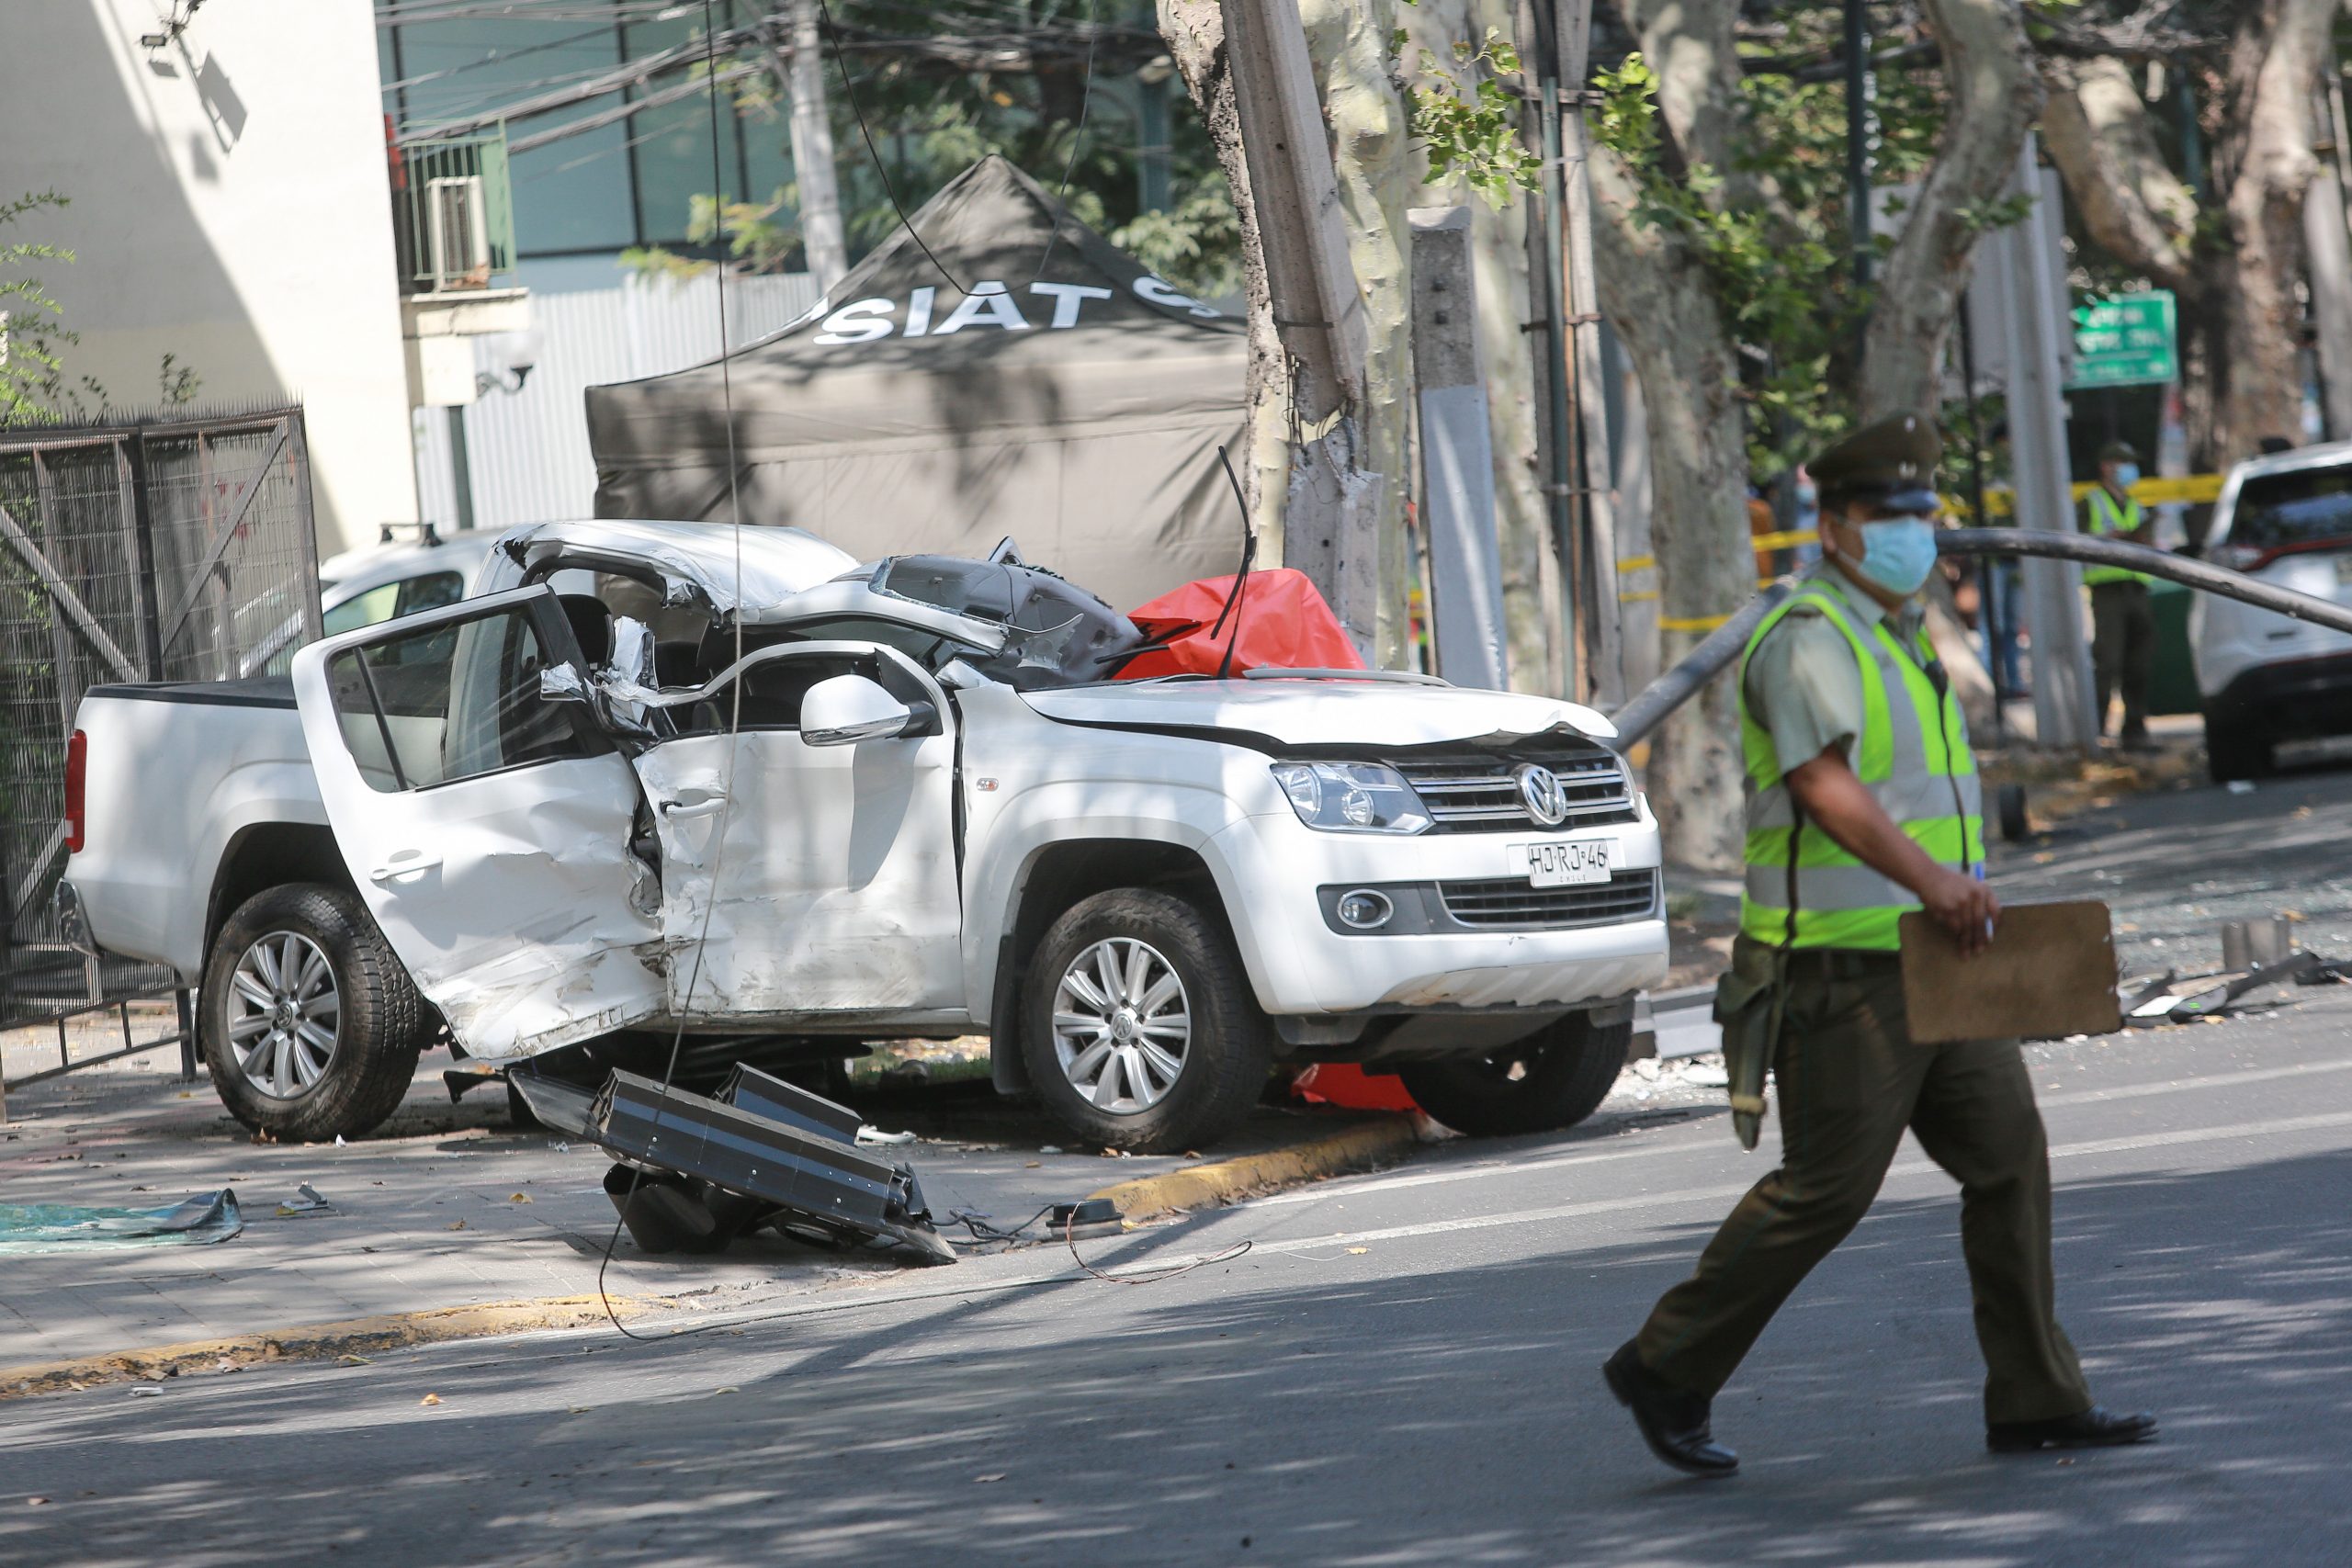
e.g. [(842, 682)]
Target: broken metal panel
[(811, 1177), (837, 877), (511, 894), (711, 564)]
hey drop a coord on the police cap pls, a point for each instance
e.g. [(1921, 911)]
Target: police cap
[(1890, 464), (2118, 452)]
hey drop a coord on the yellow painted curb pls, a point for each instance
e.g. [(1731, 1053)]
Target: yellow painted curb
[(1359, 1148), (312, 1342)]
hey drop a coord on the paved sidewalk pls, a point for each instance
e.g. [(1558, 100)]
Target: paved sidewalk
[(448, 1206)]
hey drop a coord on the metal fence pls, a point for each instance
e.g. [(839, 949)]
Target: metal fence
[(178, 550)]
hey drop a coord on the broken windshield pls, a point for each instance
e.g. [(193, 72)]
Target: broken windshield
[(1064, 636)]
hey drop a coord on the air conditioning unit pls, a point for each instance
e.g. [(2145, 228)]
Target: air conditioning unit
[(456, 232)]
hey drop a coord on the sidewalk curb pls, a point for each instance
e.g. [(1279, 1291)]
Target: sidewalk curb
[(312, 1342), (1359, 1148)]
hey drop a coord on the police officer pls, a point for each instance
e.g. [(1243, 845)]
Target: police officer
[(1862, 804), (2124, 627)]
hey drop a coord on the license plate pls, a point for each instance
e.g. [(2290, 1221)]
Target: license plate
[(1571, 864)]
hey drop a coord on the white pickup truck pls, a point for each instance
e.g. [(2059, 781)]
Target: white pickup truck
[(755, 796)]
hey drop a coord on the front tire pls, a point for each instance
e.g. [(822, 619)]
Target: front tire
[(2236, 749), (1554, 1079), (310, 1023), (1137, 1024)]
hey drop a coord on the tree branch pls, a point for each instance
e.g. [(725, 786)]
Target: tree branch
[(2098, 131), (1996, 96)]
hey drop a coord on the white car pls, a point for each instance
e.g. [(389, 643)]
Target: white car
[(790, 803), (363, 587), (2264, 678)]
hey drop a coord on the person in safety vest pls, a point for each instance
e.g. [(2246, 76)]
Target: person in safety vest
[(1862, 803), (2123, 625)]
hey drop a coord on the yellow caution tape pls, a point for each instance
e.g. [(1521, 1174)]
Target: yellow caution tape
[(1638, 596), (1788, 540), (1637, 563), (2176, 490), (1691, 623)]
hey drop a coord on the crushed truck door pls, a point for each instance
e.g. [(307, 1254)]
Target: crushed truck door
[(486, 820), (836, 875)]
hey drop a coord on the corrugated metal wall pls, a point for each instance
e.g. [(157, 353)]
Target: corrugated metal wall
[(528, 450)]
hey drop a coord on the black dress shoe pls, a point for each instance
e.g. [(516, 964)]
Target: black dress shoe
[(2094, 1428), (1673, 1422)]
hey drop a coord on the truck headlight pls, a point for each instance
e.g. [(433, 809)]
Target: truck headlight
[(1351, 797)]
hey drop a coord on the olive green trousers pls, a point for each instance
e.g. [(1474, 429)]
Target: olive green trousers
[(1849, 1081)]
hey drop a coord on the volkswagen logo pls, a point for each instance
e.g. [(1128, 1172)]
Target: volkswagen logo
[(1539, 786)]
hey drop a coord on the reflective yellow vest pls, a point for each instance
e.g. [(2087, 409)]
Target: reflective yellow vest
[(2108, 519), (1912, 756)]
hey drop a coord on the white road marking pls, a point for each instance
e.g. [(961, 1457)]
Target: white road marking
[(2211, 1080), (1698, 1194), (1326, 1191)]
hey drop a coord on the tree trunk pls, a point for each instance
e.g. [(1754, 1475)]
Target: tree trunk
[(1349, 42), (2239, 315), (2273, 71), (1660, 297), (1194, 32), (1989, 73)]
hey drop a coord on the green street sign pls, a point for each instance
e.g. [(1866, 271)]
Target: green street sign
[(2133, 340)]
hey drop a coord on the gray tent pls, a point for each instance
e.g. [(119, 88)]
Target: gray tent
[(995, 368)]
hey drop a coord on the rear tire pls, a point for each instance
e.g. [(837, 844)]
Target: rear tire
[(310, 1023), (2236, 749), (1554, 1079), (1109, 1084)]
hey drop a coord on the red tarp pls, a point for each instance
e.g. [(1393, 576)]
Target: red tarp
[(1281, 623)]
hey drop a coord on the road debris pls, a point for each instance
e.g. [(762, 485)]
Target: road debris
[(699, 1171), (64, 1227), (306, 1201)]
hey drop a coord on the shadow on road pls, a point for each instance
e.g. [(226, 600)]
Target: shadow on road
[(1305, 1410)]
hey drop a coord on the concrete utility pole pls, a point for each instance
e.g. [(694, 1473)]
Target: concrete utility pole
[(2328, 259), (812, 149), (1457, 454), (1329, 521), (2035, 320), (1604, 663)]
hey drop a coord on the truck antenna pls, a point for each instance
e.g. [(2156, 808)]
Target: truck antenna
[(1241, 578)]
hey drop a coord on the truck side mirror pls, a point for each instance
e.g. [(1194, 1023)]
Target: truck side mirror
[(846, 709)]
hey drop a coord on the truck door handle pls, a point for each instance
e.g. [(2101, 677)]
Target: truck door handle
[(405, 864), (675, 809)]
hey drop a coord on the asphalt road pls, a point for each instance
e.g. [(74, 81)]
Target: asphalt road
[(1402, 1369)]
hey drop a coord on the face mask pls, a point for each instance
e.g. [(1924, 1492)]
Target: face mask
[(1899, 554), (2127, 474)]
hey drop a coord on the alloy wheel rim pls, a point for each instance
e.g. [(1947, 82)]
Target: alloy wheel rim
[(1123, 1026), (285, 1014)]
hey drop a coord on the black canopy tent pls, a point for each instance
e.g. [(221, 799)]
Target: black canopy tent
[(994, 367)]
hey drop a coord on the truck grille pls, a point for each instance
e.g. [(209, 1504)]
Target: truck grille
[(1478, 792), (1509, 901)]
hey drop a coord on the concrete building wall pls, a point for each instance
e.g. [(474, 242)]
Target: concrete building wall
[(229, 207)]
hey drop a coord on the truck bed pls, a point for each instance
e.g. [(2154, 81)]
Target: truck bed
[(175, 773)]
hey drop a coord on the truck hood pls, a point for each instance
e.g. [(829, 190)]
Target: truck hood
[(1371, 715)]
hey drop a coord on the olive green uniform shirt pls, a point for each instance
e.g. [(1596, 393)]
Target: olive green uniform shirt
[(1803, 685)]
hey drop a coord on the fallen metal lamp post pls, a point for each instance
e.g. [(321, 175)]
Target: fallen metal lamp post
[(1650, 707)]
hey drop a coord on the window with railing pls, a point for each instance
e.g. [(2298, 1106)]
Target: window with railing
[(453, 212)]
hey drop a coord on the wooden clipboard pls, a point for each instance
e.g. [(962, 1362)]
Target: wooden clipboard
[(2049, 972)]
